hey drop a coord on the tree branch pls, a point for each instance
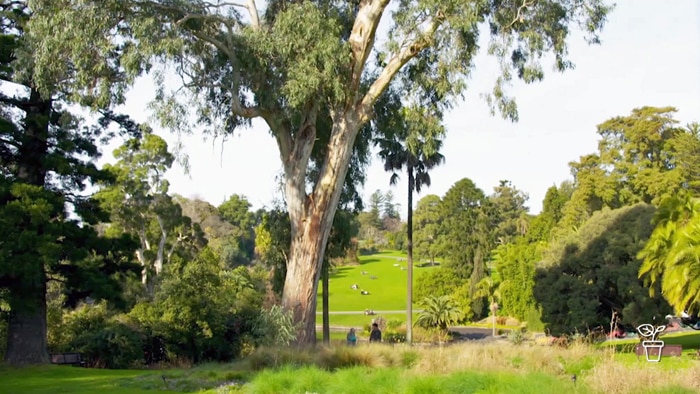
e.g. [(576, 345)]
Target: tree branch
[(254, 16), (362, 36), (395, 64), (518, 15), (296, 164), (22, 104), (282, 135), (10, 142)]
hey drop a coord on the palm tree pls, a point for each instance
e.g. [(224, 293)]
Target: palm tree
[(439, 312), (412, 143), (671, 256)]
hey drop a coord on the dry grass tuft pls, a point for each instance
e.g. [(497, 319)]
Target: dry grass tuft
[(612, 377), (503, 357)]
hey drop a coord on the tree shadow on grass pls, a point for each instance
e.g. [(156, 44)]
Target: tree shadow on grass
[(340, 272), (369, 261)]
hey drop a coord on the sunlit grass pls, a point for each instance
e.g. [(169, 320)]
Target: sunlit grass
[(471, 367), (387, 291), (65, 379)]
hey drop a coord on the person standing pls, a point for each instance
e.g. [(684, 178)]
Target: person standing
[(375, 335), (351, 337)]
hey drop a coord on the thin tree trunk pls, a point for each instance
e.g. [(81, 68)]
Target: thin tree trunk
[(409, 232), (26, 331), (326, 317)]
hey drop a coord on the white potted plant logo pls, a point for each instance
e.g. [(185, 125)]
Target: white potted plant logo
[(652, 345)]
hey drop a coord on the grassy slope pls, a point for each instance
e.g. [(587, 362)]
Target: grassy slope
[(387, 292)]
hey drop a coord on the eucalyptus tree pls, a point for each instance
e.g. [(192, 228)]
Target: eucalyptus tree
[(139, 204), (296, 65), (47, 159), (412, 143)]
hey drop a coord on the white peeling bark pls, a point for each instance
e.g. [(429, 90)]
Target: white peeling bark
[(160, 253), (311, 229)]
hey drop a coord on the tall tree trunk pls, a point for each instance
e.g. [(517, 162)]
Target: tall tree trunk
[(409, 234), (326, 317), (26, 331), (26, 334), (311, 218)]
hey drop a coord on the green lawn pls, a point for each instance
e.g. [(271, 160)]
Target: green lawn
[(62, 379), (361, 320), (387, 291)]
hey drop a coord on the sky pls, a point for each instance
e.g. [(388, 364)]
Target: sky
[(649, 56)]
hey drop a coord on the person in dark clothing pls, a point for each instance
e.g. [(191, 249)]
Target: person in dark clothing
[(375, 335)]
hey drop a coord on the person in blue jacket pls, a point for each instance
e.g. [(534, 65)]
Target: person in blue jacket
[(351, 337)]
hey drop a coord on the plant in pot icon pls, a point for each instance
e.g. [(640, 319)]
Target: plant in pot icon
[(651, 344)]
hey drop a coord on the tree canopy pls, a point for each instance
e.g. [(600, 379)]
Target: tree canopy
[(48, 217), (587, 276)]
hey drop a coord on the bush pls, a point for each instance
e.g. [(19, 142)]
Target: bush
[(202, 312), (274, 327), (394, 324), (65, 327), (533, 318), (516, 337), (394, 337), (117, 345)]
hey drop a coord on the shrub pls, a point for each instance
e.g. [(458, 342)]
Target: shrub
[(516, 337), (391, 336), (116, 345), (274, 327), (394, 324), (533, 318), (65, 327)]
